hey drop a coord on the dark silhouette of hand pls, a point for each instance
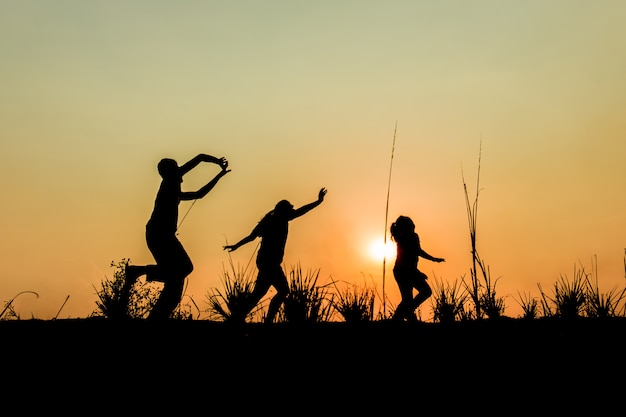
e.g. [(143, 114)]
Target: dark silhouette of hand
[(321, 194)]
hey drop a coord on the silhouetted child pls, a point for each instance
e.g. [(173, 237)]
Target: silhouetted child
[(173, 264), (405, 269), (273, 230)]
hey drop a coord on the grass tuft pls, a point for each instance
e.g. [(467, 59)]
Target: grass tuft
[(448, 302), (530, 306), (355, 304), (306, 301), (233, 303)]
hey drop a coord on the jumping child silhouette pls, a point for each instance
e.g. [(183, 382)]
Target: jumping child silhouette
[(405, 270), (273, 230), (173, 264)]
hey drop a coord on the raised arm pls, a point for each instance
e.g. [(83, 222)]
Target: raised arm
[(195, 161), (308, 207), (242, 242), (194, 195)]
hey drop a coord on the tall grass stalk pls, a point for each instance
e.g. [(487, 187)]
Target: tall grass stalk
[(483, 293), (393, 146), (472, 213)]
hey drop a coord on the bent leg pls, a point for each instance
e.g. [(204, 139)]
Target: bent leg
[(261, 287), (403, 310), (423, 290), (282, 289), (173, 262), (173, 267)]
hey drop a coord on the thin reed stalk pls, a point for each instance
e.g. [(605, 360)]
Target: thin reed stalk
[(393, 146), (483, 294)]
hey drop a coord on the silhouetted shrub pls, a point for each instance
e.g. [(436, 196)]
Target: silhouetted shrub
[(113, 304), (448, 301), (306, 301), (232, 303), (354, 304)]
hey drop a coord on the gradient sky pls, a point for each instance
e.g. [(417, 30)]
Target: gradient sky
[(300, 95)]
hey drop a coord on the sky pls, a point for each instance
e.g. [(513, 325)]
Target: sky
[(389, 105)]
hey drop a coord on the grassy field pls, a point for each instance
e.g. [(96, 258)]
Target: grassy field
[(504, 367)]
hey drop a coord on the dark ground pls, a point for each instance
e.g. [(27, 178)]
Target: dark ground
[(490, 367)]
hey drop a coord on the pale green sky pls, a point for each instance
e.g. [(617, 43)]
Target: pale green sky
[(304, 95)]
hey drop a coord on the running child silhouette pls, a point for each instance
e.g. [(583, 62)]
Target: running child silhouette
[(173, 264), (405, 270), (273, 230)]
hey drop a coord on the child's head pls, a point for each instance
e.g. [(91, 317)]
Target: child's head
[(283, 207), (402, 225), (167, 168)]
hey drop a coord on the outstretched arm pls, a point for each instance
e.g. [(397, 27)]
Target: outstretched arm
[(242, 242), (308, 207), (195, 161), (194, 195), (425, 255)]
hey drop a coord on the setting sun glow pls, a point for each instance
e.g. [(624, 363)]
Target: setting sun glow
[(379, 249)]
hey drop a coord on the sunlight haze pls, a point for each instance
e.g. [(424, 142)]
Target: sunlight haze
[(303, 95)]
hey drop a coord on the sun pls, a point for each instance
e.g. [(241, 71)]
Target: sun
[(380, 250)]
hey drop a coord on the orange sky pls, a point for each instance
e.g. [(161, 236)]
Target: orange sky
[(299, 96)]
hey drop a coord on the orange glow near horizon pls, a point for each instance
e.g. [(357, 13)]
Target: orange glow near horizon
[(380, 250)]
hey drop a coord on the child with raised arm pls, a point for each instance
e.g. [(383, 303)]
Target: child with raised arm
[(273, 229), (173, 264)]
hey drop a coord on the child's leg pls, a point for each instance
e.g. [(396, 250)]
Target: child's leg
[(423, 290), (169, 298)]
